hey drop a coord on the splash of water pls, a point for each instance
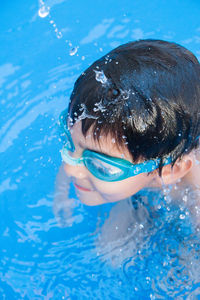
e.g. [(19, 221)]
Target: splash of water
[(84, 114), (99, 107), (44, 10), (101, 77), (58, 33)]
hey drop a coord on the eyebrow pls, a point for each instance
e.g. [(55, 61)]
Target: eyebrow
[(100, 152), (91, 149)]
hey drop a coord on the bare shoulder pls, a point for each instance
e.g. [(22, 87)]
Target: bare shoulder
[(121, 232)]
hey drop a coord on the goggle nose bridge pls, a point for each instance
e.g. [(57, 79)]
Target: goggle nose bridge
[(68, 159)]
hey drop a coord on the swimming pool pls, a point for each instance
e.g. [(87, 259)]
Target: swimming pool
[(80, 254)]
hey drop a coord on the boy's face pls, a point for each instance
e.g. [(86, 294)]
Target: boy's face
[(93, 191)]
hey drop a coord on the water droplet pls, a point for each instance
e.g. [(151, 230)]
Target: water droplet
[(141, 226), (182, 216), (185, 198), (148, 278), (99, 107), (152, 297), (59, 35), (73, 51), (113, 141), (43, 11), (101, 77), (125, 94)]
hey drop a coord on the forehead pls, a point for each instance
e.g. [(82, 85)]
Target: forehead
[(106, 143)]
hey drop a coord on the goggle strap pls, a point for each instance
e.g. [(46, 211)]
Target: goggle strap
[(148, 166)]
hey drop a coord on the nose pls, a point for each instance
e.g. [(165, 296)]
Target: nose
[(79, 172)]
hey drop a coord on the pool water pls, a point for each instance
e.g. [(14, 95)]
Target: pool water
[(53, 249)]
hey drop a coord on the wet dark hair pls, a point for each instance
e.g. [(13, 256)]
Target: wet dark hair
[(146, 95)]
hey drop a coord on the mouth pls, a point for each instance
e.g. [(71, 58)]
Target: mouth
[(80, 188)]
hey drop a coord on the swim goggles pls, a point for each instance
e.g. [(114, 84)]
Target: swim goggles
[(102, 166)]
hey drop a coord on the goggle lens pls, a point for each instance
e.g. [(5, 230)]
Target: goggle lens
[(102, 170)]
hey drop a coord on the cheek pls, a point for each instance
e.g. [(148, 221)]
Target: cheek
[(122, 188)]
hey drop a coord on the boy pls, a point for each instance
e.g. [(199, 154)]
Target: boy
[(133, 122)]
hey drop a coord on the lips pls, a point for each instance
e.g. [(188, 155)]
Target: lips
[(80, 188)]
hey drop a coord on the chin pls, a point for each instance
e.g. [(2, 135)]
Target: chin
[(91, 200), (91, 203)]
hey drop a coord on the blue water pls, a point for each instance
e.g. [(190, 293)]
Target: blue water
[(75, 251)]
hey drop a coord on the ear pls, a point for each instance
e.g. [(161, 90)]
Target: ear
[(179, 170)]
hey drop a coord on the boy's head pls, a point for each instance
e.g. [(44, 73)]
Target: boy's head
[(144, 95)]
